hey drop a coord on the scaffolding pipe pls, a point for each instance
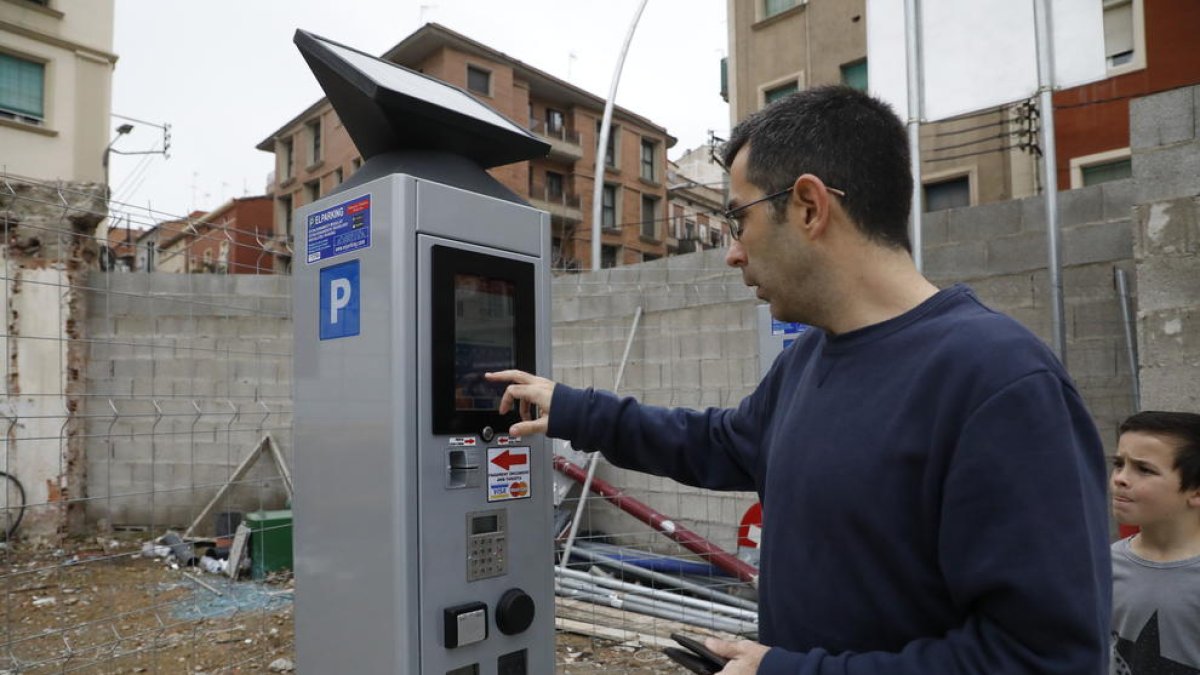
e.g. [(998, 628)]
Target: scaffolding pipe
[(1130, 335), (660, 610), (664, 579), (680, 534), (637, 589), (594, 459)]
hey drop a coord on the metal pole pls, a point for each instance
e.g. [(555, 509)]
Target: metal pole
[(660, 609), (1130, 337), (912, 42), (594, 459), (666, 580), (602, 143), (1045, 54), (668, 596)]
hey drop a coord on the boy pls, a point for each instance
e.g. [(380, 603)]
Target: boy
[(1156, 572)]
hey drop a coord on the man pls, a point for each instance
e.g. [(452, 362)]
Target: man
[(933, 488)]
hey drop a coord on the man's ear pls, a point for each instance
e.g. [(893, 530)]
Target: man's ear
[(809, 195), (1193, 498)]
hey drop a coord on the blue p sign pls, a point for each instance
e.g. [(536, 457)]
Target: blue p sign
[(339, 300)]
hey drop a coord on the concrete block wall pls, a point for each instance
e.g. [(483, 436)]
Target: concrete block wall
[(186, 374), (1165, 145), (695, 346), (1000, 250)]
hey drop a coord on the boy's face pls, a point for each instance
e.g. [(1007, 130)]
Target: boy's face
[(1145, 484)]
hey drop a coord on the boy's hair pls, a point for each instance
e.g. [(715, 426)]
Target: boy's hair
[(1183, 429), (845, 137)]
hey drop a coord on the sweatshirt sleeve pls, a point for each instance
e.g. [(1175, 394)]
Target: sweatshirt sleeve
[(1023, 545), (714, 448)]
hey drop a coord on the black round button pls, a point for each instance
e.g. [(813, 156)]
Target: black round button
[(514, 612), (488, 434)]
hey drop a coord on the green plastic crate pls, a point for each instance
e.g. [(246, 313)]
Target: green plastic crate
[(270, 541)]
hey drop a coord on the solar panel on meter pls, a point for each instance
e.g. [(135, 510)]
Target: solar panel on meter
[(388, 107)]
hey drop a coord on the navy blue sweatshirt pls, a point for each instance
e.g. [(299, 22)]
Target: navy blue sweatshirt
[(933, 494)]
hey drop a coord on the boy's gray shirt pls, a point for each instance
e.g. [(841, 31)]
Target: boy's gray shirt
[(1156, 614)]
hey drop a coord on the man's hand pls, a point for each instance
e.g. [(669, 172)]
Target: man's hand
[(744, 655), (528, 391)]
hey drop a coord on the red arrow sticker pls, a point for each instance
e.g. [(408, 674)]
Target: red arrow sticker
[(507, 460)]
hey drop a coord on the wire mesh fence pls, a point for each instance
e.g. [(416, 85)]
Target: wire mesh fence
[(147, 438)]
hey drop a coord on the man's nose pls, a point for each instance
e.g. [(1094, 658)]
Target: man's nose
[(735, 256)]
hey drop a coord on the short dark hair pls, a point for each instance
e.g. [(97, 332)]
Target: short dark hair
[(1181, 427), (848, 139)]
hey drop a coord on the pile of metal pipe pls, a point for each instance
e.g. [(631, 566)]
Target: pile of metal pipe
[(675, 599)]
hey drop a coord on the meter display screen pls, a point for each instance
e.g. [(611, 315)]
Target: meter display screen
[(482, 321), (485, 524), (484, 339)]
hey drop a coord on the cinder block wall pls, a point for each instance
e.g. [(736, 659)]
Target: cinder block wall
[(1000, 250), (186, 374), (1165, 143), (697, 343)]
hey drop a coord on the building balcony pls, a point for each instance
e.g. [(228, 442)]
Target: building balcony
[(564, 145), (563, 206)]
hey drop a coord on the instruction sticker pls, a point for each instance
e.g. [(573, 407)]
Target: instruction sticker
[(339, 229), (508, 474)]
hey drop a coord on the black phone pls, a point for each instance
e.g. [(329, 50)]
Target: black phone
[(698, 658)]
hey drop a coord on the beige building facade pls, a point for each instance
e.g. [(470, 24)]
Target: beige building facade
[(314, 154), (56, 65), (777, 47)]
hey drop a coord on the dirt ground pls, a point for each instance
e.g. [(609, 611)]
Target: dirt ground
[(104, 608)]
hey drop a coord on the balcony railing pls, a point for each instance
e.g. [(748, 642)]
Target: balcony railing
[(558, 133)]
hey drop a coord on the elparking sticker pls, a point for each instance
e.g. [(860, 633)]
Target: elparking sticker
[(509, 474)]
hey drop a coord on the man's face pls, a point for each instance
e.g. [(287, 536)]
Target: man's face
[(1145, 484), (772, 255)]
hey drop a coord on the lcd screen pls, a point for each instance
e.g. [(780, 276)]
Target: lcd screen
[(484, 339), (485, 525)]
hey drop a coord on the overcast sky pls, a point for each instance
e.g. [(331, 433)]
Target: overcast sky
[(224, 74)]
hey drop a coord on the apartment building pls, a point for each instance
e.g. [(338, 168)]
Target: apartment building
[(777, 47), (696, 184), (230, 239), (1151, 47), (314, 154), (56, 64)]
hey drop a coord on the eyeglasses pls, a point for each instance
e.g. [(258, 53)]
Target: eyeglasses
[(733, 216)]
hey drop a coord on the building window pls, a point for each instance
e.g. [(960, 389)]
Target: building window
[(1104, 173), (314, 136), (554, 185), (773, 7), (1101, 167), (338, 176), (554, 121), (948, 194), (312, 191), (22, 90), (287, 159), (649, 154), (608, 256), (285, 215), (479, 80), (649, 217), (854, 75), (610, 156), (608, 206), (356, 163), (1119, 43), (776, 93)]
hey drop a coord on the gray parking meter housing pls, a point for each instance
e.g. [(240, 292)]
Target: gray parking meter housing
[(423, 538)]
